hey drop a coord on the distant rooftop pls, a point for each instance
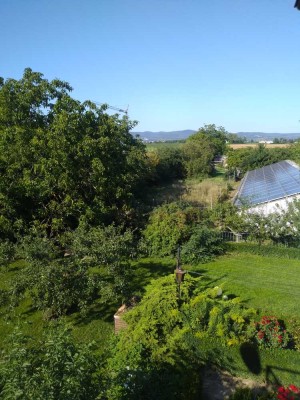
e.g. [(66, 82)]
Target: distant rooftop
[(273, 182)]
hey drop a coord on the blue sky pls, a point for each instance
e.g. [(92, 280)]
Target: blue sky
[(178, 64)]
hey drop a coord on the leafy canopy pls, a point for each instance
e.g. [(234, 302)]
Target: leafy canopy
[(61, 159)]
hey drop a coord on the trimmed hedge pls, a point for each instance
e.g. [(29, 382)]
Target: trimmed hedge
[(265, 250)]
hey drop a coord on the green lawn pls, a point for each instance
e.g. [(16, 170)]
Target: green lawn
[(269, 284)]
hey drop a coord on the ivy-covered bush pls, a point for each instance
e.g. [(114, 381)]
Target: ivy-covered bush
[(203, 245)]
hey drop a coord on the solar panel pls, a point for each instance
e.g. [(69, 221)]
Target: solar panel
[(269, 183)]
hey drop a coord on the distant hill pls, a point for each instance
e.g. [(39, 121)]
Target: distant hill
[(181, 135), (257, 136)]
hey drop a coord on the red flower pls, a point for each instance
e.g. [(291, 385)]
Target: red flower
[(260, 334), (281, 397), (294, 389)]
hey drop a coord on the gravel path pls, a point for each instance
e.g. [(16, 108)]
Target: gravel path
[(219, 385)]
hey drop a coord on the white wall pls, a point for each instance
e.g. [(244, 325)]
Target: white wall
[(279, 205)]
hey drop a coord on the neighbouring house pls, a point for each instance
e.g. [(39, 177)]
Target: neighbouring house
[(269, 189)]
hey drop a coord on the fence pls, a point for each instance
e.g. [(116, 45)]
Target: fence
[(229, 236)]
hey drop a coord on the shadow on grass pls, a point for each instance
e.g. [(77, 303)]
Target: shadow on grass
[(209, 282), (166, 192), (250, 354), (97, 311), (144, 271)]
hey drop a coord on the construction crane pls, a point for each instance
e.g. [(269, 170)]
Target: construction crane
[(113, 108)]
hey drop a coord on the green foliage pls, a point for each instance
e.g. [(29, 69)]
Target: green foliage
[(148, 358), (96, 265), (163, 337), (243, 160), (54, 369), (249, 394), (198, 156), (209, 315), (267, 250), (169, 226), (7, 252), (203, 245), (201, 148), (109, 249), (166, 164), (61, 160), (271, 333), (224, 215)]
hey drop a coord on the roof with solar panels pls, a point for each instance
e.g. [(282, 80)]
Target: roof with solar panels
[(268, 184)]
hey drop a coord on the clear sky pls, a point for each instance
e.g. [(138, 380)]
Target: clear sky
[(178, 64)]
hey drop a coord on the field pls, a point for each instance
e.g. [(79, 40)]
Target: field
[(268, 145), (156, 145), (203, 192)]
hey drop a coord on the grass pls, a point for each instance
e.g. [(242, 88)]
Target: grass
[(205, 192), (269, 284), (161, 145)]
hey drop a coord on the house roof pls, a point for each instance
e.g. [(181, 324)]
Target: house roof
[(269, 183)]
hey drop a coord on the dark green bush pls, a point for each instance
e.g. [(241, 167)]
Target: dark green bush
[(7, 252), (169, 226), (203, 245), (56, 368)]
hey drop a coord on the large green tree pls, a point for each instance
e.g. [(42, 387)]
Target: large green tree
[(201, 148), (61, 159)]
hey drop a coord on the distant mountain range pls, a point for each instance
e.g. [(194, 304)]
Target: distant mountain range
[(181, 135)]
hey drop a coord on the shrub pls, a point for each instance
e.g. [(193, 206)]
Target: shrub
[(227, 320), (269, 250), (169, 226), (56, 368), (7, 252), (203, 245), (270, 333), (149, 360), (248, 394)]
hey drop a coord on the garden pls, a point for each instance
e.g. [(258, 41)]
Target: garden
[(91, 219)]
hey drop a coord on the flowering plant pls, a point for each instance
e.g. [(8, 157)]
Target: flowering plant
[(269, 332), (292, 392)]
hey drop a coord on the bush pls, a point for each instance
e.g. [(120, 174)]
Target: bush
[(249, 394), (7, 252), (169, 226), (149, 361), (96, 264), (203, 245), (268, 250), (54, 369), (271, 333), (212, 316)]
